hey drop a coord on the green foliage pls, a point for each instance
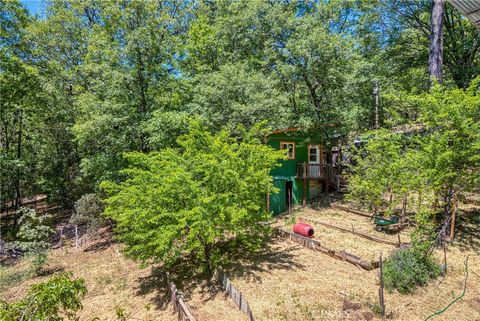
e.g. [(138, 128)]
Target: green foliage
[(34, 231), (425, 233), (164, 127), (236, 95), (91, 80), (52, 300), (9, 278), (408, 268), (33, 236), (204, 200), (88, 210), (427, 161), (382, 169)]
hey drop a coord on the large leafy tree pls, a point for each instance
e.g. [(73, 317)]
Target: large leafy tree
[(384, 172), (206, 199), (432, 159), (20, 117), (406, 25), (236, 95), (300, 52)]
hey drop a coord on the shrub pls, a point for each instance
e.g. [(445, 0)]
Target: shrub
[(33, 235), (51, 300), (408, 268), (88, 210)]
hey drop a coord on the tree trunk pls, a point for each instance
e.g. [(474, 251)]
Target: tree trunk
[(17, 179), (435, 58), (376, 106)]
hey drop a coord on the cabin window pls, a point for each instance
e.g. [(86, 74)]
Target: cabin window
[(290, 148), (313, 154)]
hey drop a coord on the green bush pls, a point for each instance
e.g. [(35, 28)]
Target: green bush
[(52, 300), (88, 210), (407, 269), (33, 237)]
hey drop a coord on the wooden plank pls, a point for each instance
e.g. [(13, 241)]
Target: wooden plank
[(180, 306), (339, 255), (380, 290), (352, 231), (186, 310), (454, 212), (235, 295), (347, 209)]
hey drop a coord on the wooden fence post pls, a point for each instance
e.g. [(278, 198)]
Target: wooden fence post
[(454, 213), (76, 236), (445, 251), (380, 290)]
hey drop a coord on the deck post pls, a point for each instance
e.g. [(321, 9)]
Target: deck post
[(321, 154), (304, 192), (268, 201)]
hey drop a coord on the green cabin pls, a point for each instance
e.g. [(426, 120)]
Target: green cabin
[(308, 170)]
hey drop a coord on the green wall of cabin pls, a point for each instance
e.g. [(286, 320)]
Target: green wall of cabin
[(287, 172), (289, 166)]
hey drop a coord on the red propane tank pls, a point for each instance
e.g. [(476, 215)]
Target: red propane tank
[(303, 229)]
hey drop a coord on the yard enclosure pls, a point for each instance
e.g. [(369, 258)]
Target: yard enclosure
[(286, 281)]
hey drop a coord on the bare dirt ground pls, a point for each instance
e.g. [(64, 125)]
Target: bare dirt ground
[(117, 285), (290, 282), (341, 241), (347, 220)]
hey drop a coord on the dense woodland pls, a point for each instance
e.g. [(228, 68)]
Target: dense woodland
[(160, 107), (86, 81)]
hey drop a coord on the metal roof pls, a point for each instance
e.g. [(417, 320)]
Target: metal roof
[(470, 8)]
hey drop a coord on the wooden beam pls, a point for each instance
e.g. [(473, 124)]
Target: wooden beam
[(339, 255), (320, 148), (304, 192), (352, 231), (268, 202)]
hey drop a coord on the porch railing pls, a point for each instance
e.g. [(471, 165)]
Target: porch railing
[(316, 171)]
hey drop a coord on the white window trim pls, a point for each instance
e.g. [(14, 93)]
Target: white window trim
[(317, 154)]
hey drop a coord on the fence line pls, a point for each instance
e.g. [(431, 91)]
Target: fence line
[(180, 306), (234, 294)]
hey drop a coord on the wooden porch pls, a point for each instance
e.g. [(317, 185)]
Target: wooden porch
[(320, 172)]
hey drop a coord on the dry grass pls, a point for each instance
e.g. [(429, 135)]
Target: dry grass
[(284, 282), (347, 220), (116, 284), (315, 286), (341, 241), (306, 285)]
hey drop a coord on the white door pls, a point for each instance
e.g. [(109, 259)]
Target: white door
[(313, 161)]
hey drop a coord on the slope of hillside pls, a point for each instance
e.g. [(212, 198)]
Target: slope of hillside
[(117, 286)]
